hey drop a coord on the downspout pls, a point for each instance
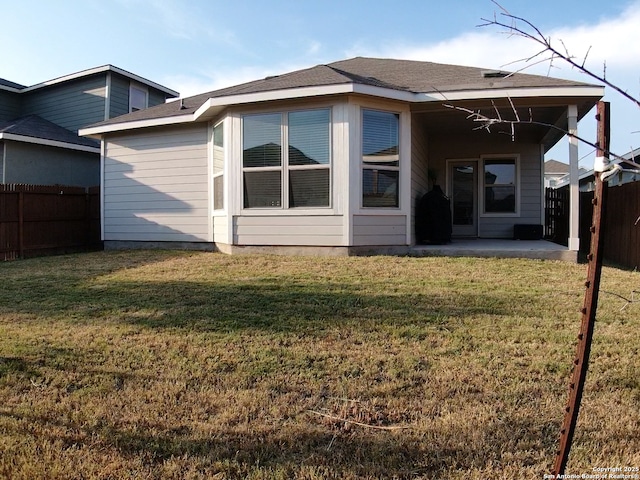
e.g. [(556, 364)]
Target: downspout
[(543, 193), (406, 172), (4, 162), (574, 180), (103, 149)]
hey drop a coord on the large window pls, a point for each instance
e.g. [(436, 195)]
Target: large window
[(292, 177), (380, 159), (500, 183), (218, 166)]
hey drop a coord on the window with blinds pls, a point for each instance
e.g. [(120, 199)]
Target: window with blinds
[(380, 159), (292, 177)]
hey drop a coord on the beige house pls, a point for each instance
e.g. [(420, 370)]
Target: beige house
[(333, 159)]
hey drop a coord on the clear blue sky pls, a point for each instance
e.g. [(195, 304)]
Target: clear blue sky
[(196, 46)]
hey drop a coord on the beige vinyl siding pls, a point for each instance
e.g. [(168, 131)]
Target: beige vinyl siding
[(313, 230), (72, 105), (156, 187), (419, 168), (379, 230)]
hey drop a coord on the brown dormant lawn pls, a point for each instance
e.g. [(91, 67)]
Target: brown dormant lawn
[(174, 365)]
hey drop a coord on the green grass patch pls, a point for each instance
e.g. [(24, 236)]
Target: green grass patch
[(199, 365)]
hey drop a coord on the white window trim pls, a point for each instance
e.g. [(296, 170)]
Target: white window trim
[(284, 167), (481, 186), (142, 88), (365, 166)]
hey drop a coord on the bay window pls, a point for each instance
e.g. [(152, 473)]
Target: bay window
[(292, 177), (380, 159)]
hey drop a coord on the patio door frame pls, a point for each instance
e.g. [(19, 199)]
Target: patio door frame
[(462, 230)]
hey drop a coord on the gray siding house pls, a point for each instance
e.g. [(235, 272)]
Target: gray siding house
[(334, 158), (39, 142)]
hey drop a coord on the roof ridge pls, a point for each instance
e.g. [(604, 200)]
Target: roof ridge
[(372, 81)]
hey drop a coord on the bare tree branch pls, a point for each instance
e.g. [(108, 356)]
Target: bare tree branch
[(531, 32), (486, 122), (584, 60), (547, 53), (360, 424)]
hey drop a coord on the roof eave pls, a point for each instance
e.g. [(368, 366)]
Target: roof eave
[(213, 106), (101, 69), (514, 92), (99, 130), (7, 88), (48, 143)]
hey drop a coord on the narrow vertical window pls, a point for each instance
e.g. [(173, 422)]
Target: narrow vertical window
[(218, 166), (308, 160), (380, 159), (262, 160)]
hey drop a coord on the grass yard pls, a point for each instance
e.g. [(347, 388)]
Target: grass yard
[(174, 365)]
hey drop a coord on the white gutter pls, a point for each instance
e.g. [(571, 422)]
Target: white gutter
[(48, 143), (10, 89), (568, 91), (117, 127), (288, 94)]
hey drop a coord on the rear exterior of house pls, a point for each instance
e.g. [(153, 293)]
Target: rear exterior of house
[(39, 142), (333, 159)]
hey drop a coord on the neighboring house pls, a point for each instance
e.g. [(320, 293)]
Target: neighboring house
[(333, 158), (628, 173), (557, 173), (39, 142), (554, 171)]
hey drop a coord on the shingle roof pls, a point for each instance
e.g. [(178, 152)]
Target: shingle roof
[(555, 167), (429, 77), (37, 127), (402, 75)]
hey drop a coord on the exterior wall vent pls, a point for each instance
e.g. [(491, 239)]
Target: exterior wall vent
[(495, 74)]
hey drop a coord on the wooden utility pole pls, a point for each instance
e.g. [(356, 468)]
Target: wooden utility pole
[(581, 361)]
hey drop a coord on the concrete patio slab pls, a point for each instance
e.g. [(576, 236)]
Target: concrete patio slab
[(498, 248)]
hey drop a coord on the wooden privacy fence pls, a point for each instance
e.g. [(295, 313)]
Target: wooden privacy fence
[(621, 225), (621, 229), (39, 220)]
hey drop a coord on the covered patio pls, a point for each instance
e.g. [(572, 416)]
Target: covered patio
[(498, 248)]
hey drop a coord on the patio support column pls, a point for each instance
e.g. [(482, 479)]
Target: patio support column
[(574, 187)]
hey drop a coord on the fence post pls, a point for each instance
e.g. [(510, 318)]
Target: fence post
[(594, 272), (21, 224)]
